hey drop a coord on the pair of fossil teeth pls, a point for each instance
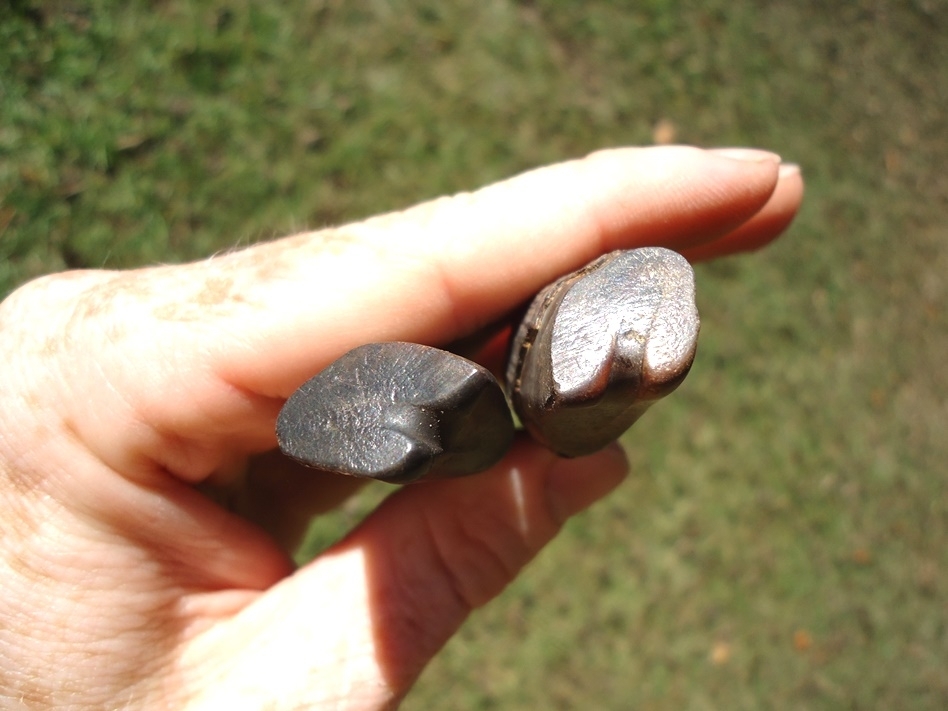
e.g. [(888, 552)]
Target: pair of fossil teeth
[(595, 349)]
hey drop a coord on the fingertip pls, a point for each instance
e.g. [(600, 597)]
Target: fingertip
[(751, 155), (788, 170), (717, 190), (765, 226)]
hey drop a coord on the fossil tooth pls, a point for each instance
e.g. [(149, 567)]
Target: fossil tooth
[(599, 346), (397, 412)]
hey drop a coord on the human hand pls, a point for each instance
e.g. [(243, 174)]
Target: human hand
[(129, 397)]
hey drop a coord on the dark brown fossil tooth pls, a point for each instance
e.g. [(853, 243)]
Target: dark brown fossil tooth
[(599, 346), (398, 412)]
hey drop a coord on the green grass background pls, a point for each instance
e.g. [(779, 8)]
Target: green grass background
[(782, 542)]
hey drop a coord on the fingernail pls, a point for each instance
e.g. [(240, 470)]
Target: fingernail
[(572, 485), (749, 155), (788, 169)]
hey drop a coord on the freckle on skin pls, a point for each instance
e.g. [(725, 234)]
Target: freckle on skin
[(216, 291), (51, 346), (211, 288), (196, 293), (282, 258)]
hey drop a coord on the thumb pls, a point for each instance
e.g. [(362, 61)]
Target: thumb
[(355, 628)]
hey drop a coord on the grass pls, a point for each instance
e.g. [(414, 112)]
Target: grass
[(781, 544)]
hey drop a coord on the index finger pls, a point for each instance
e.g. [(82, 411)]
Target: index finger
[(204, 354), (439, 271)]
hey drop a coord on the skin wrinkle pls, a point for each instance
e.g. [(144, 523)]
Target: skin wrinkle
[(58, 485), (411, 620), (438, 544), (75, 592), (83, 436), (19, 532), (162, 444), (496, 563), (493, 537), (179, 454), (50, 481), (194, 459), (24, 481), (213, 545), (119, 504), (181, 457)]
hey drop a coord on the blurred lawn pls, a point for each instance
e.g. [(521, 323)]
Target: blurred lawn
[(782, 542)]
